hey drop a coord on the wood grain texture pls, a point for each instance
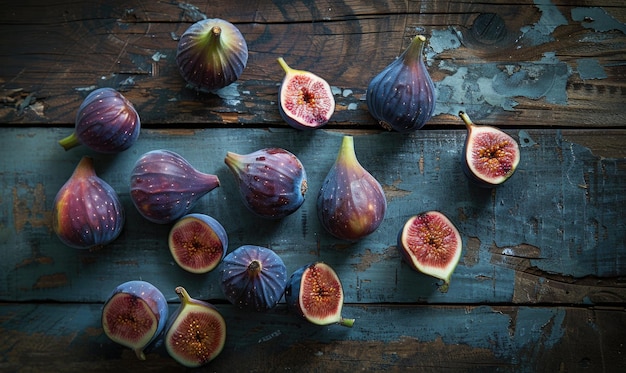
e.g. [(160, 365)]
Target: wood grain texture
[(510, 63)]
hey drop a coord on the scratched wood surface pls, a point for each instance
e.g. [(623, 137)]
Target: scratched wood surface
[(540, 285)]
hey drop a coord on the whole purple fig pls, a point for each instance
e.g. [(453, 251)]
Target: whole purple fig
[(272, 181), (87, 211), (164, 186), (351, 203), (402, 96), (106, 122)]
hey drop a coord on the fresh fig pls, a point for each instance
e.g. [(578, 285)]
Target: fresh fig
[(490, 156), (253, 278), (305, 100), (87, 212), (134, 315), (402, 96), (196, 332), (164, 186), (431, 244), (351, 203), (198, 243), (272, 181), (314, 292), (106, 122), (211, 54)]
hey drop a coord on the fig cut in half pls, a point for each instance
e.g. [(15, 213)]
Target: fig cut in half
[(490, 156), (196, 332), (314, 292), (134, 315), (198, 243), (431, 244), (305, 99)]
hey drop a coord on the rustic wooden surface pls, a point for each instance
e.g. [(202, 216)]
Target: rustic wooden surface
[(540, 286)]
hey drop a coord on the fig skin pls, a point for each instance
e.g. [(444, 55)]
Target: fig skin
[(430, 243), (106, 122), (305, 100), (326, 285), (198, 243), (253, 278), (164, 186), (272, 182), (211, 54), (137, 296), (490, 156), (402, 96), (351, 203), (195, 333), (87, 212)]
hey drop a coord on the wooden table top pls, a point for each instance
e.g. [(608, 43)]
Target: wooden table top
[(540, 285)]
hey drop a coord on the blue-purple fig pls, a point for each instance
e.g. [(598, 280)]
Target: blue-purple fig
[(490, 156), (272, 181), (134, 315), (305, 99), (106, 122), (253, 278), (87, 212), (431, 244), (351, 203), (164, 186), (211, 54), (314, 292), (198, 243), (195, 333), (402, 96)]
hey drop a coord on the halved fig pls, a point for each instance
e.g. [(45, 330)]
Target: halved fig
[(198, 243), (305, 100), (314, 292), (253, 277), (196, 332), (490, 156), (134, 315), (431, 244)]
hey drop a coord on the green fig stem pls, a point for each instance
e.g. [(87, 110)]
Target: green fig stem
[(70, 141), (466, 119), (346, 322), (140, 354), (183, 295), (284, 65), (444, 287), (346, 152), (414, 52)]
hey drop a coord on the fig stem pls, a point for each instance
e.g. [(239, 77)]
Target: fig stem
[(140, 354), (466, 119), (284, 65), (346, 152), (414, 52), (70, 141), (346, 322), (182, 294)]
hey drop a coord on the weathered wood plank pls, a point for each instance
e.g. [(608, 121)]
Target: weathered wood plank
[(555, 232), (510, 63), (69, 338)]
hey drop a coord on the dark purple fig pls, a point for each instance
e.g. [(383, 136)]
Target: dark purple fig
[(196, 332), (211, 54), (253, 278), (164, 186), (272, 181), (305, 100), (87, 212), (134, 315), (106, 122), (314, 292), (402, 96), (431, 244), (198, 243), (490, 156), (351, 203)]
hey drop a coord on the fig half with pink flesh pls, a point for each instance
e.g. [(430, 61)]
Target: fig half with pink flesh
[(196, 332), (198, 243), (305, 100), (490, 156), (314, 292), (431, 244), (134, 315)]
